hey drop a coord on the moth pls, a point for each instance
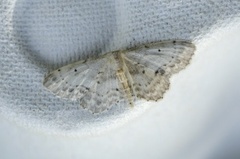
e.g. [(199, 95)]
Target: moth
[(121, 76)]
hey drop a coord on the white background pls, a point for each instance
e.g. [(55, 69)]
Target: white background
[(198, 118)]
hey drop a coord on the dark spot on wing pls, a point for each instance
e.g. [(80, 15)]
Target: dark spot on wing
[(160, 70), (98, 82), (159, 50), (75, 70), (54, 78), (143, 71), (174, 42), (59, 70), (117, 89), (87, 88), (71, 90)]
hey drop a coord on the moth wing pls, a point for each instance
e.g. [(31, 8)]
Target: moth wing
[(94, 83), (151, 66)]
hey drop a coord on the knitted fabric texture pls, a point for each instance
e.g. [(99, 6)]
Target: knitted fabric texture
[(39, 36)]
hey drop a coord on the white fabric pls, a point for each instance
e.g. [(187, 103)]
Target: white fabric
[(39, 36)]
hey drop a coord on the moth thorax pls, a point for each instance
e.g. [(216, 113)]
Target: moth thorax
[(121, 76)]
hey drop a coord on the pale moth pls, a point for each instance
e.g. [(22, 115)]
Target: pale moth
[(121, 76)]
